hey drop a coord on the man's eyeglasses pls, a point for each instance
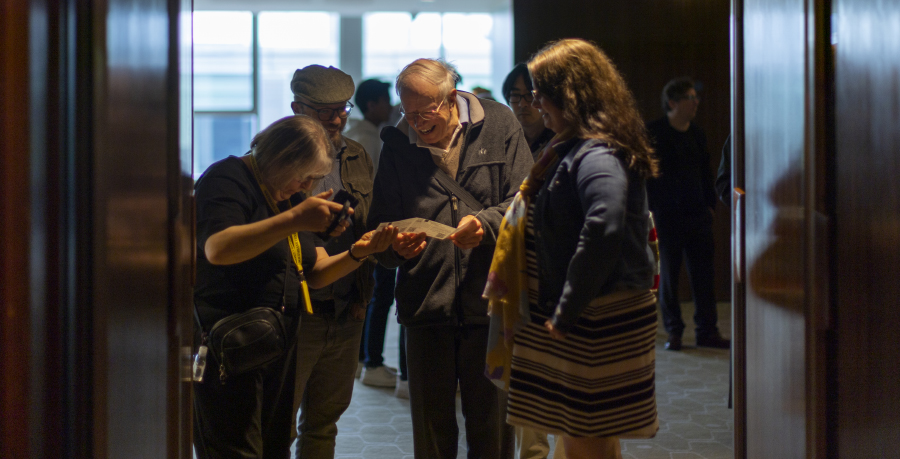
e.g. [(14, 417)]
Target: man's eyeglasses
[(327, 114), (427, 116), (515, 98), (692, 98)]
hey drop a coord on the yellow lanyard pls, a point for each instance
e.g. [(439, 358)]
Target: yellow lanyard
[(293, 240)]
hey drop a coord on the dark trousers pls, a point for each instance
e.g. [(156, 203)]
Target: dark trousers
[(249, 416), (404, 371), (377, 316), (438, 358), (688, 239)]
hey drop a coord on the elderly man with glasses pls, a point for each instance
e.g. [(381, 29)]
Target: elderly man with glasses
[(458, 160), (328, 339)]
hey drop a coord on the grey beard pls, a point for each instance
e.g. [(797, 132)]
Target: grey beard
[(337, 142)]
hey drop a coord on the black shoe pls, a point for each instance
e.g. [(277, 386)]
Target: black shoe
[(673, 343), (715, 341)]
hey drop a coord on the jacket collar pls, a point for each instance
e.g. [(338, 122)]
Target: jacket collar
[(347, 150)]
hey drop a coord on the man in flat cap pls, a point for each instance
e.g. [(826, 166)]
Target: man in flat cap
[(328, 339)]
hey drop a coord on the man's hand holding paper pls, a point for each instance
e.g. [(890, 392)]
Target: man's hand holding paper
[(468, 233)]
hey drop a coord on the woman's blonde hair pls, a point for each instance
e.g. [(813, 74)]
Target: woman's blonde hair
[(293, 143), (582, 81)]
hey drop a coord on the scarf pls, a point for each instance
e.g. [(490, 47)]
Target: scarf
[(507, 284)]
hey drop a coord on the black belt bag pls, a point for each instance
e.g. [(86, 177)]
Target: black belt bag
[(243, 342), (247, 341)]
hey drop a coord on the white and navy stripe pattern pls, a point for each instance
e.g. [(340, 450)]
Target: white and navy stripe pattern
[(599, 381), (531, 267)]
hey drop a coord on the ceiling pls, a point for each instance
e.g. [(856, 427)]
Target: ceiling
[(356, 7)]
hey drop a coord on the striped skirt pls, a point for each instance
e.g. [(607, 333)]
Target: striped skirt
[(598, 381)]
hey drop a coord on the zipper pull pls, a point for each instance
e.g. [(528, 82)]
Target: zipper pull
[(455, 202)]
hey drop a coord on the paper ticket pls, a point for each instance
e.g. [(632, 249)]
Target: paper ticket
[(422, 225)]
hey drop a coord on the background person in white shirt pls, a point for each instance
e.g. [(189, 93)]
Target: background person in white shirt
[(374, 101)]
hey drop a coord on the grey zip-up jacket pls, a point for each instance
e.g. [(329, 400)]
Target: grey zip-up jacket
[(443, 284)]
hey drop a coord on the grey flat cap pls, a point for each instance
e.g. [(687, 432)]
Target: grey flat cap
[(321, 85)]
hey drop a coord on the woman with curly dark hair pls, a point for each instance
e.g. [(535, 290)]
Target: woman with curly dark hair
[(582, 364)]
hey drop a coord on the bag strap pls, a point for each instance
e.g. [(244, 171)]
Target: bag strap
[(283, 299), (454, 187), (197, 318), (394, 135)]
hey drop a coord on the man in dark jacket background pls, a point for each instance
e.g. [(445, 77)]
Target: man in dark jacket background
[(683, 200), (478, 145)]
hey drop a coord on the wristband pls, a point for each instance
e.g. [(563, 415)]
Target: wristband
[(354, 257)]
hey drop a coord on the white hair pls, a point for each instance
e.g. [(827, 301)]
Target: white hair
[(434, 71)]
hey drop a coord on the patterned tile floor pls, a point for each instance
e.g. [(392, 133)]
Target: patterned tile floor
[(692, 396)]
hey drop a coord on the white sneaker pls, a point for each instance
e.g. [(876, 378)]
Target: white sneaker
[(359, 368), (402, 389), (379, 377)]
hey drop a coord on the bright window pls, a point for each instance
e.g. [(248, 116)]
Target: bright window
[(217, 136), (467, 45), (223, 60), (393, 40), (289, 41)]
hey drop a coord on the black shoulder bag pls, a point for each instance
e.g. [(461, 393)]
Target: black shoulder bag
[(242, 342)]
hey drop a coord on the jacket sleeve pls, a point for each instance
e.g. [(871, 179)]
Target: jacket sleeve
[(707, 176), (387, 202), (519, 162), (602, 186), (654, 185), (723, 179)]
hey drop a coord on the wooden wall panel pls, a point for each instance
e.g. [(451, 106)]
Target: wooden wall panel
[(135, 153), (96, 229), (651, 42), (776, 93), (867, 111), (15, 398)]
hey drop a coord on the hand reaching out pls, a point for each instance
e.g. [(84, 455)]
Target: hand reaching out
[(408, 245), (375, 241)]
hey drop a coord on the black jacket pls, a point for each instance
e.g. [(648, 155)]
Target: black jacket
[(443, 284), (685, 185)]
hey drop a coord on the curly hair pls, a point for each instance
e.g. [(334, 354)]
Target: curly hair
[(594, 99)]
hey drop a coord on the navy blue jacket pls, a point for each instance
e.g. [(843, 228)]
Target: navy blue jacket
[(591, 225)]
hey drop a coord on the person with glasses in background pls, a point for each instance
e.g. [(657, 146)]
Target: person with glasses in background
[(517, 92), (457, 160), (329, 338), (683, 201)]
